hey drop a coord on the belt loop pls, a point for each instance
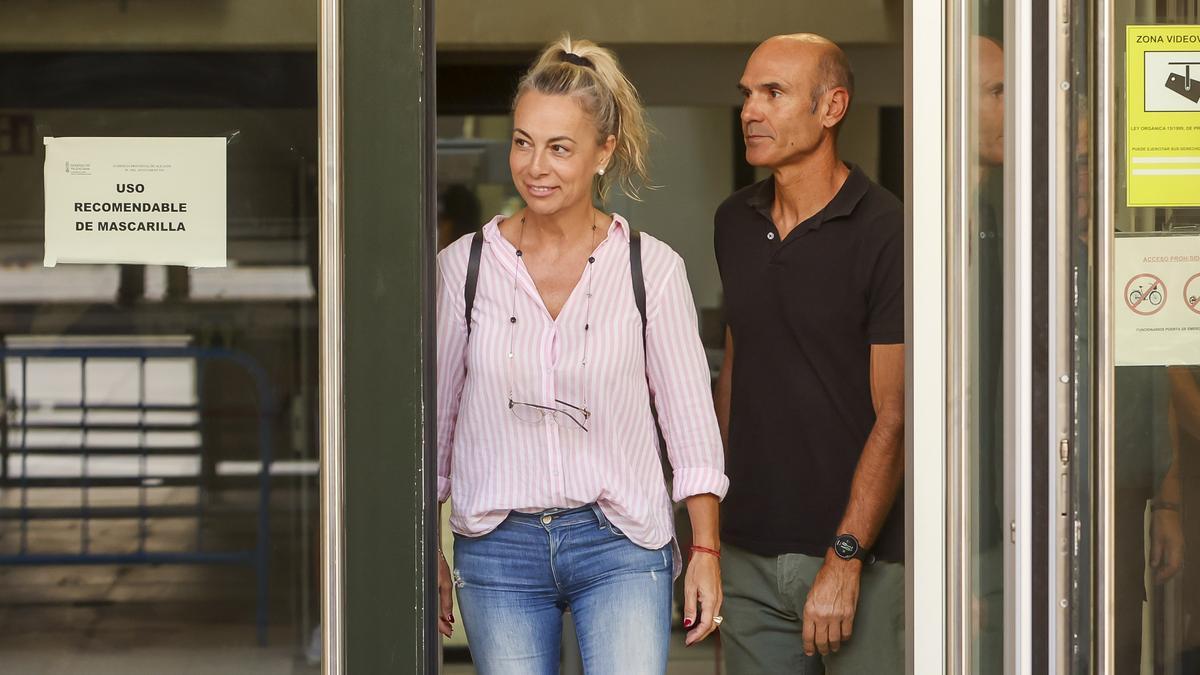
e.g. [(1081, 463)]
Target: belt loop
[(600, 518)]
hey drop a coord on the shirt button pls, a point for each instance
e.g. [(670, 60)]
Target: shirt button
[(770, 235), (546, 520)]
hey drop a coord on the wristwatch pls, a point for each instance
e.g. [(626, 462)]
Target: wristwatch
[(846, 547)]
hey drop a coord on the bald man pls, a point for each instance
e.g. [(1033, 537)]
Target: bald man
[(985, 232), (989, 103), (812, 407)]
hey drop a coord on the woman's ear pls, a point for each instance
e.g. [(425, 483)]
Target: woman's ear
[(608, 147)]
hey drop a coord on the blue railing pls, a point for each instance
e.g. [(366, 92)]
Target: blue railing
[(15, 428)]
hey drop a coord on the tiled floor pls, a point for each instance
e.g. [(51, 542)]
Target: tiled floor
[(698, 660), (155, 661), (168, 620), (137, 621), (699, 664), (171, 619), (147, 619)]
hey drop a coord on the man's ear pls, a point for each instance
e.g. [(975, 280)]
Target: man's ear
[(837, 104)]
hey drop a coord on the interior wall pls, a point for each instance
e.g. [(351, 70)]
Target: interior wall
[(708, 74), (461, 24), (526, 23), (157, 24), (691, 160)]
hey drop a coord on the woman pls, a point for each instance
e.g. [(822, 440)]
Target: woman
[(545, 434)]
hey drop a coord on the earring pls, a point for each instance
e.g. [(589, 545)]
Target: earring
[(601, 171)]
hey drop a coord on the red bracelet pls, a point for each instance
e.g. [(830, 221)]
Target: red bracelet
[(705, 549)]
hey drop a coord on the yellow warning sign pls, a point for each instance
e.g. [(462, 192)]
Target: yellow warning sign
[(1162, 154)]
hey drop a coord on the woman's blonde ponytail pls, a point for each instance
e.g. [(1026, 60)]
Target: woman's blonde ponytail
[(591, 73)]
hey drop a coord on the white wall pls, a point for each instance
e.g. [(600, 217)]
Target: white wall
[(691, 158)]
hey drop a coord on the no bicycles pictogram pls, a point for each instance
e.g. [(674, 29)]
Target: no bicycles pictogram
[(1145, 294), (1191, 293)]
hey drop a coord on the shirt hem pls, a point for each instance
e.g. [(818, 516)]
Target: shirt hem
[(773, 548)]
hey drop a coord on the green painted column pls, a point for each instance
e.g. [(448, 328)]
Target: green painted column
[(388, 245)]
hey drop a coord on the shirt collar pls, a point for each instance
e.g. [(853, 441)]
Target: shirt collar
[(618, 224), (762, 198)]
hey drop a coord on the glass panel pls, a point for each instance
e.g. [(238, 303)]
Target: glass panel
[(1156, 410), (984, 303), (158, 439)]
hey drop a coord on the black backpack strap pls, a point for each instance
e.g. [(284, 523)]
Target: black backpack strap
[(639, 279), (639, 297), (473, 276)]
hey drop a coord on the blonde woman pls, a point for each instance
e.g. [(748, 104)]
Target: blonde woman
[(554, 335)]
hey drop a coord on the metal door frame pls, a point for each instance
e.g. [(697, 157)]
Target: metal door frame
[(927, 339)]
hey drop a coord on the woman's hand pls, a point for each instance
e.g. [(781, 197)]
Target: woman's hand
[(445, 597), (702, 582), (701, 586)]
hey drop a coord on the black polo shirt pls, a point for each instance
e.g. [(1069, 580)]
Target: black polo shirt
[(804, 313)]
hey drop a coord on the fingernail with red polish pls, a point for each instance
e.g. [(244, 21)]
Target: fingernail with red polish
[(687, 623)]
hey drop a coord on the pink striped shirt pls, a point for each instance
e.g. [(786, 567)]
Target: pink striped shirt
[(492, 462)]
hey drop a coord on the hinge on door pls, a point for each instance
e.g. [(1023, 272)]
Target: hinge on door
[(1064, 451)]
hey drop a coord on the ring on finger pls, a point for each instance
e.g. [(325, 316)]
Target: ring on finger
[(717, 620)]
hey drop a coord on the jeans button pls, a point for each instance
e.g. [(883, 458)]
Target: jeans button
[(546, 520)]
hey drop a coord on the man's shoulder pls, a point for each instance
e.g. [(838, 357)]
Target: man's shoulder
[(880, 205), (737, 205)]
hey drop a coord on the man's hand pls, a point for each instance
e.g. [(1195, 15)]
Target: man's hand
[(1166, 544), (832, 602)]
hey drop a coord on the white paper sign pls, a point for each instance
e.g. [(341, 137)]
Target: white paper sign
[(155, 201), (1156, 289)]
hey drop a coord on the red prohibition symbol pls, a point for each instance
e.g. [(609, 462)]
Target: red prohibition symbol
[(1191, 294), (1145, 294)]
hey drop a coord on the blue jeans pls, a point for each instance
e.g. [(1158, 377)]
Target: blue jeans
[(515, 582)]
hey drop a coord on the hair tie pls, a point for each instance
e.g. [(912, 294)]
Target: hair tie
[(569, 57)]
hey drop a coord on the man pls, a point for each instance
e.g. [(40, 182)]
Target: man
[(812, 406), (989, 102), (984, 232)]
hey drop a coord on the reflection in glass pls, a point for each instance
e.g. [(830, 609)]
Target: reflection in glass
[(1156, 445), (985, 345)]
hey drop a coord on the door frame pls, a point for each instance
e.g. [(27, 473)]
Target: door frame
[(378, 454)]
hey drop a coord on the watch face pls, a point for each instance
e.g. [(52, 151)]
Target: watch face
[(845, 547)]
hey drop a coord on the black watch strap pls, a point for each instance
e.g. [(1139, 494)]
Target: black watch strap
[(846, 547)]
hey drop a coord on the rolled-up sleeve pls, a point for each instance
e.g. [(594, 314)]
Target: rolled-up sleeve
[(451, 371), (681, 385)]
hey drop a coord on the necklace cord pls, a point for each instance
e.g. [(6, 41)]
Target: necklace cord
[(512, 317)]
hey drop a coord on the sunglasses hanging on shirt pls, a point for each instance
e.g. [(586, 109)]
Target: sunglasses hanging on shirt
[(535, 413)]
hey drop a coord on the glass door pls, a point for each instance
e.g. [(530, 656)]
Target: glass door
[(158, 423), (1135, 250)]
